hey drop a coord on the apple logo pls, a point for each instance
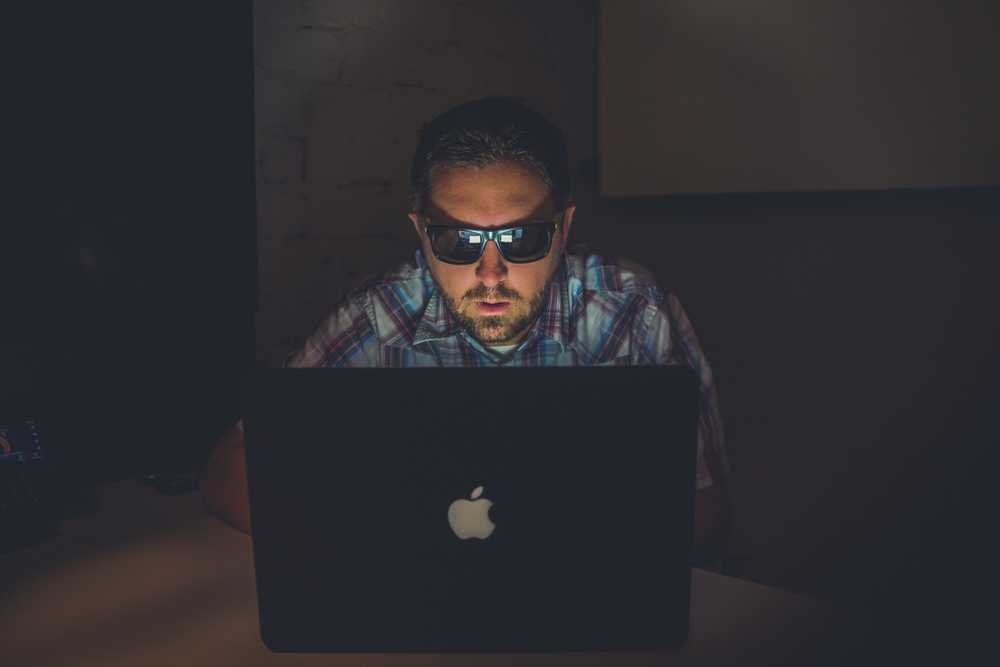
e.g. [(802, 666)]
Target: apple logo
[(469, 518)]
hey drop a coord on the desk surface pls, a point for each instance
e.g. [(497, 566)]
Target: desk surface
[(154, 580)]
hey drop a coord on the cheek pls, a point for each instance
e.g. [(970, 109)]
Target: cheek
[(457, 280), (527, 281), (534, 278)]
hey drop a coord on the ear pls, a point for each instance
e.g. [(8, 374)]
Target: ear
[(567, 221), (416, 223)]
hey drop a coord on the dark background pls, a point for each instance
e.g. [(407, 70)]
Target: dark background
[(130, 283), (852, 333)]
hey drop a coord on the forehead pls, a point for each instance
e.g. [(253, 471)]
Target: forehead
[(489, 195)]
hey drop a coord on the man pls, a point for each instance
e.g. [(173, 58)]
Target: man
[(493, 284)]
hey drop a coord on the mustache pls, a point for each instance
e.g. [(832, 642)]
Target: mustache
[(491, 295)]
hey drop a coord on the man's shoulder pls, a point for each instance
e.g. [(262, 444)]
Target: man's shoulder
[(403, 282), (617, 307), (593, 271), (376, 307)]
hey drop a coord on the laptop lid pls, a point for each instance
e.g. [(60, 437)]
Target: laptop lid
[(467, 509)]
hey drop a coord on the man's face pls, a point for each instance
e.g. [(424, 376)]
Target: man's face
[(492, 197)]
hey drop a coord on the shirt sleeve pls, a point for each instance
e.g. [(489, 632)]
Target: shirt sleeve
[(346, 337), (673, 342)]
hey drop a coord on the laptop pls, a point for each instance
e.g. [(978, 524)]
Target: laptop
[(472, 509)]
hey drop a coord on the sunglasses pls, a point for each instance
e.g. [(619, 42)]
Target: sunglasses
[(521, 244)]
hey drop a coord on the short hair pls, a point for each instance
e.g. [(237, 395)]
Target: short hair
[(488, 131)]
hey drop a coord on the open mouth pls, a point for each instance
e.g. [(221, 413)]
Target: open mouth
[(497, 307)]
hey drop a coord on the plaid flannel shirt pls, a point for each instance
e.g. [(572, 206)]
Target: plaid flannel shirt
[(597, 312)]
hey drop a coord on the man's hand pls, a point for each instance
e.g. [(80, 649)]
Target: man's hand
[(223, 480)]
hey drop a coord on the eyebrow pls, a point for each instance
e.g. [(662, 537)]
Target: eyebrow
[(448, 220)]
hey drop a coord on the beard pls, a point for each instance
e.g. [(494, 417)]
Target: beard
[(497, 329)]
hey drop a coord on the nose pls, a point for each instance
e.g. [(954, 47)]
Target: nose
[(491, 269)]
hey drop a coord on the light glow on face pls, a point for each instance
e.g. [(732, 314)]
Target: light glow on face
[(500, 196)]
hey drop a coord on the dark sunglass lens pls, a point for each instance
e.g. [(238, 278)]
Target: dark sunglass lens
[(457, 245), (526, 244)]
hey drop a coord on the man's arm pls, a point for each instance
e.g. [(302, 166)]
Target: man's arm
[(345, 338), (223, 480), (669, 328)]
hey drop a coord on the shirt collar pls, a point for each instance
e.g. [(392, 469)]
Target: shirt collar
[(437, 322), (554, 322)]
